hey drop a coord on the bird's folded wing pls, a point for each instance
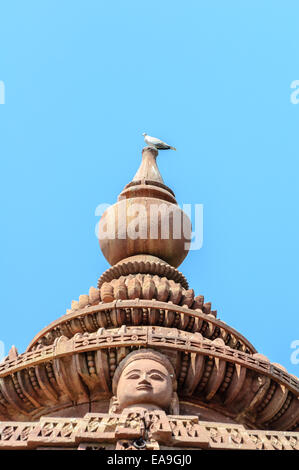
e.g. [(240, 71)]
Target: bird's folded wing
[(162, 145), (154, 140)]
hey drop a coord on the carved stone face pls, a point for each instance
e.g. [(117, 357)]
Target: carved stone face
[(145, 382)]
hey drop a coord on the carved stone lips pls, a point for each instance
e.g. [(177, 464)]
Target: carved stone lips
[(144, 387)]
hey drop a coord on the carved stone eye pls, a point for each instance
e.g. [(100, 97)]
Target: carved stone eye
[(156, 377), (133, 376)]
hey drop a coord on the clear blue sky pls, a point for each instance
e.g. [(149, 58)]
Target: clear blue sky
[(83, 80)]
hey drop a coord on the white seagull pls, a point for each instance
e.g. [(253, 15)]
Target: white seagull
[(156, 143)]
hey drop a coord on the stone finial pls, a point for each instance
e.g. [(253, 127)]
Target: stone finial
[(13, 353), (148, 169), (146, 220)]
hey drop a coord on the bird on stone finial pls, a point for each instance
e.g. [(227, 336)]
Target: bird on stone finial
[(156, 143)]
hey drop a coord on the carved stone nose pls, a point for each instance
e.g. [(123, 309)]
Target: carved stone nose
[(144, 380)]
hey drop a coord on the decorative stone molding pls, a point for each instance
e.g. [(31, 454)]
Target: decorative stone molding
[(136, 265), (142, 312), (80, 369), (133, 431)]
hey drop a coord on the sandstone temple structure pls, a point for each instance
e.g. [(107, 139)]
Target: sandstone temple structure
[(141, 361)]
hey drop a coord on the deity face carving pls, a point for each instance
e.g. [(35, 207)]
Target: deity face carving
[(145, 381)]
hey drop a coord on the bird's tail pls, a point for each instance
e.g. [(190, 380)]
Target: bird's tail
[(172, 148)]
